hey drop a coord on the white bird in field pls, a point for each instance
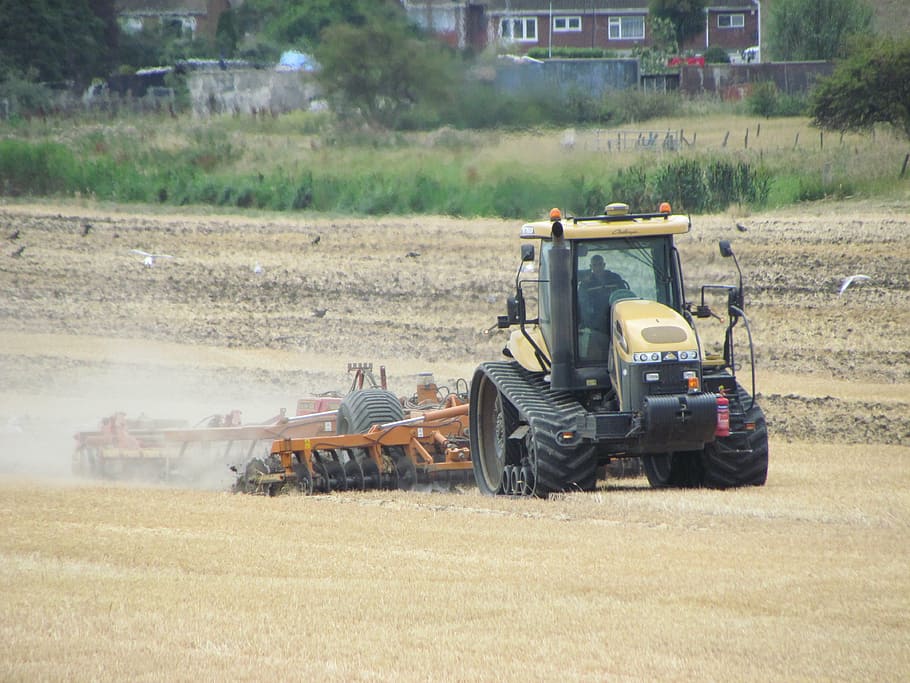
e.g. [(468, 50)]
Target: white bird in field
[(149, 259), (847, 281), (257, 269)]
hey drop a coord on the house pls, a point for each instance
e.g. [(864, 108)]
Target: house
[(617, 25), (195, 17)]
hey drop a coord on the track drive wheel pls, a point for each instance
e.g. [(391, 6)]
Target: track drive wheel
[(494, 419)]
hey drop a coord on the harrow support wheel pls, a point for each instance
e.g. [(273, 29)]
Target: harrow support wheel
[(362, 409), (358, 412)]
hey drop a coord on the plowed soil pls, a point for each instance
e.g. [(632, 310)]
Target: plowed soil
[(86, 329)]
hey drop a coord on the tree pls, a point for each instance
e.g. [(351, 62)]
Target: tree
[(381, 70), (816, 29), (298, 23), (871, 87), (58, 39), (687, 16)]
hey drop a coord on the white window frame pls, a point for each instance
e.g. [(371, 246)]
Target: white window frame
[(733, 21), (511, 23), (570, 24), (615, 26)]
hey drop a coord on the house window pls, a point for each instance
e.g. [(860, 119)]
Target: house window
[(731, 20), (519, 28), (627, 28), (566, 24)]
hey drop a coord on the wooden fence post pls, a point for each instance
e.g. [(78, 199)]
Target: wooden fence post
[(904, 167)]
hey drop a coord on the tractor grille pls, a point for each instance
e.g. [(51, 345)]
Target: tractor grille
[(671, 378)]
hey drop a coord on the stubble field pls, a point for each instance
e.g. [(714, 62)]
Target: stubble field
[(804, 578)]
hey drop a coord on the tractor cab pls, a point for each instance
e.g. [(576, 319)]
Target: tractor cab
[(609, 296)]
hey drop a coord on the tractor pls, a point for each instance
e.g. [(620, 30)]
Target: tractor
[(604, 363)]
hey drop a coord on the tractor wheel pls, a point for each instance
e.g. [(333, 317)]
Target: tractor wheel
[(739, 460)]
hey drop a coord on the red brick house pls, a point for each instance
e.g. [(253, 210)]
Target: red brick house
[(196, 17), (618, 25)]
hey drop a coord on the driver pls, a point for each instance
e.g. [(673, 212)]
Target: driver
[(594, 293), (599, 276)]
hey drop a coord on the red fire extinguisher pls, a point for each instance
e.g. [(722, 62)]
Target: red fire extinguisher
[(723, 415)]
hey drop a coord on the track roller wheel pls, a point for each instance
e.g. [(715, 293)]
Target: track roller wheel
[(526, 480)]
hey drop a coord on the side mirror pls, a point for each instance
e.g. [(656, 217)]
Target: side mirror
[(725, 249), (527, 252), (515, 306)]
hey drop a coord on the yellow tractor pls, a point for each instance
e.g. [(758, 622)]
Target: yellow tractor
[(605, 363)]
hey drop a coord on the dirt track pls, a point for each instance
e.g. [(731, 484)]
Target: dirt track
[(87, 329)]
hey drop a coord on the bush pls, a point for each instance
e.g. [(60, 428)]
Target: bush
[(716, 55), (762, 101), (22, 96), (41, 169), (570, 53), (632, 106)]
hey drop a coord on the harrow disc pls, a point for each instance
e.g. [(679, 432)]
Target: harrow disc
[(404, 468), (250, 481), (304, 479)]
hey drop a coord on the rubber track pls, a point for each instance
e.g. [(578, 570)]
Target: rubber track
[(746, 463), (546, 412)]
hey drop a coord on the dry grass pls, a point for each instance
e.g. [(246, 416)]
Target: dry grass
[(804, 579)]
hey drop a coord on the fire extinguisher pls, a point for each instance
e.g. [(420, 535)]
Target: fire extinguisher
[(723, 415)]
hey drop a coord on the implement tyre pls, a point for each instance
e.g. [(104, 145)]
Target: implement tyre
[(361, 410)]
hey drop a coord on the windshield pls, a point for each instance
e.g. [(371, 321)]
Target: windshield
[(607, 271)]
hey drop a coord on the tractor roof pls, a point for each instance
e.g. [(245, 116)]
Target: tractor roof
[(612, 224)]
